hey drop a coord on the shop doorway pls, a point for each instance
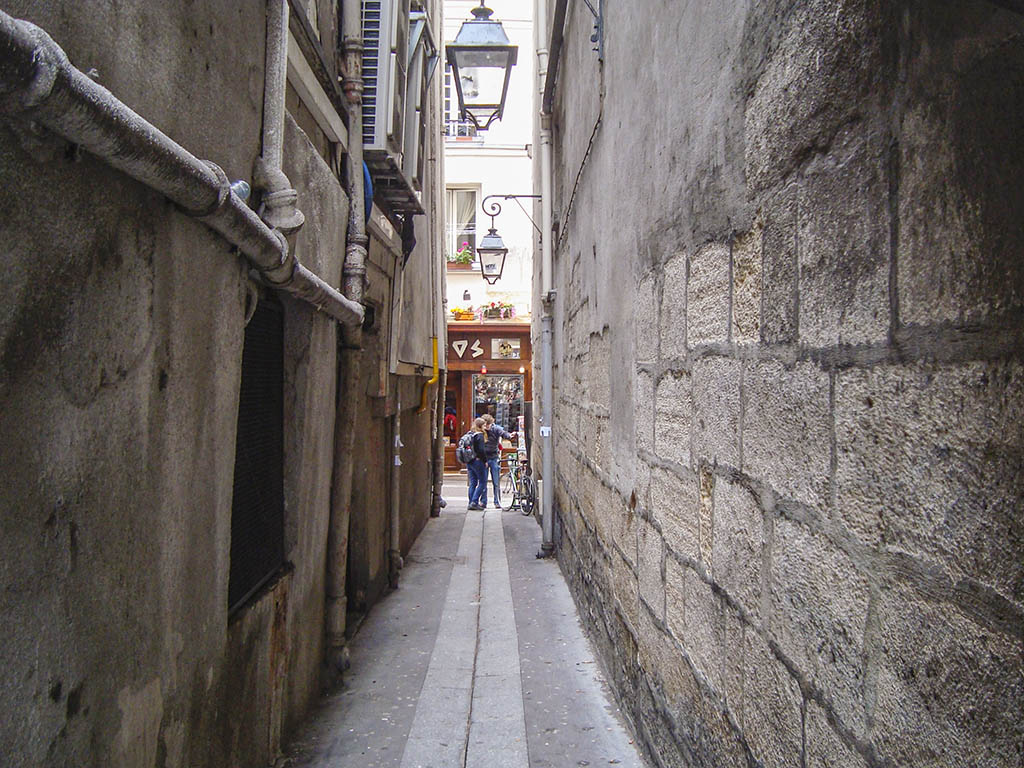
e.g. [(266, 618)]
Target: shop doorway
[(501, 395)]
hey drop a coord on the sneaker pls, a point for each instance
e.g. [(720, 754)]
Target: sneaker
[(497, 505)]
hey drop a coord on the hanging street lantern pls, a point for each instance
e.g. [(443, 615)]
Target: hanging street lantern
[(491, 253), (481, 59)]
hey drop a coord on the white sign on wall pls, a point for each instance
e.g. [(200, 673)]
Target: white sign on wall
[(461, 345)]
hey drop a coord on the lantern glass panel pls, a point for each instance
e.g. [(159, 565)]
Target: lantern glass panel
[(491, 262), (482, 84)]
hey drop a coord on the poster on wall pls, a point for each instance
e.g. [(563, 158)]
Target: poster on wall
[(505, 349)]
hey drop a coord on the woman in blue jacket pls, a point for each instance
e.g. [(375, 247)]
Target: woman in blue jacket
[(477, 468)]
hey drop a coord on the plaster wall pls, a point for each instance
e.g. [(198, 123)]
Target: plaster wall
[(497, 161), (121, 328), (789, 376), (498, 173)]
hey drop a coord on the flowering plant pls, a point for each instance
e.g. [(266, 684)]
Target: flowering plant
[(498, 309), (462, 256)]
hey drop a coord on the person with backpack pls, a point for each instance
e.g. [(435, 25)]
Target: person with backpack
[(493, 434), (471, 451)]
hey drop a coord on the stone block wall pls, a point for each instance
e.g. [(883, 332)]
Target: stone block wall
[(791, 495)]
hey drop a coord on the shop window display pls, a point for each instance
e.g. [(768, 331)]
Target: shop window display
[(500, 395)]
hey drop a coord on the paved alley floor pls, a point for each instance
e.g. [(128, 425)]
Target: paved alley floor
[(478, 659)]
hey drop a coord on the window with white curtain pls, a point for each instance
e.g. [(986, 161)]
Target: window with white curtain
[(461, 218)]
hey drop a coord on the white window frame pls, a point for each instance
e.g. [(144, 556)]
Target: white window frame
[(453, 232)]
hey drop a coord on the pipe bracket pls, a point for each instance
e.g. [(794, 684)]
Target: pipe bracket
[(223, 192)]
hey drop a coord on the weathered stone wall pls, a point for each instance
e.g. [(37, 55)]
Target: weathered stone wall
[(121, 332), (790, 376)]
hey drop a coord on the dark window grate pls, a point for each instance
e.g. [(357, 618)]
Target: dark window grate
[(257, 503)]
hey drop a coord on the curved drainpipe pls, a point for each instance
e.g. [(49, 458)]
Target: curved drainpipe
[(430, 382), (38, 82), (350, 390)]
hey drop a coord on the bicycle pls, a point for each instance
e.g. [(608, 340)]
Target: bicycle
[(518, 488)]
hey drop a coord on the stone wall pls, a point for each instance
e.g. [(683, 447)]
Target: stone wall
[(790, 377), (121, 332)]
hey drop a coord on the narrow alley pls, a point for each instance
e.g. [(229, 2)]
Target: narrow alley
[(478, 660), (729, 294)]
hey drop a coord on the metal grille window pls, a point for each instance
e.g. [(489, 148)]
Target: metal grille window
[(257, 504)]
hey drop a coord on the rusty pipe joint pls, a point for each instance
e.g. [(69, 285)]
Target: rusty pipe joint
[(278, 204), (353, 89), (352, 83)]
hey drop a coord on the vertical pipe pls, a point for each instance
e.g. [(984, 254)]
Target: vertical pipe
[(440, 288), (350, 392), (395, 550), (546, 206), (547, 442), (547, 294), (435, 502), (274, 83), (278, 200)]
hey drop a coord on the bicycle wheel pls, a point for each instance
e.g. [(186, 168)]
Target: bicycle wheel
[(527, 495), (508, 491)]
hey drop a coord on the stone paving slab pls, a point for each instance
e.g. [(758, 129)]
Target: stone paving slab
[(477, 660)]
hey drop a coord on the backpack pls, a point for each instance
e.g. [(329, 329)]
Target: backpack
[(464, 450)]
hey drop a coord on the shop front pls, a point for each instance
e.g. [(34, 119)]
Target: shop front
[(488, 372)]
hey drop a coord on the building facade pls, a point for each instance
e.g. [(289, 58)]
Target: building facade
[(489, 357), (788, 374), (171, 529)]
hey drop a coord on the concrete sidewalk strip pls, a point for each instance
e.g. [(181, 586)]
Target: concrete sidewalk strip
[(438, 735), (479, 660), (497, 731)]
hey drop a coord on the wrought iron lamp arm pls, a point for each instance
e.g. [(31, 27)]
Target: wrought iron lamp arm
[(494, 208)]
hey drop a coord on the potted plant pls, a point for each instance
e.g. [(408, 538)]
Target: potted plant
[(463, 314), (498, 310), (462, 258)]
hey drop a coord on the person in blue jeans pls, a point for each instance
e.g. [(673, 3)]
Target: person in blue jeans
[(477, 468), (493, 433)]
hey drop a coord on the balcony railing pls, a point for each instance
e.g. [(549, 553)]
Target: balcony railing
[(459, 129)]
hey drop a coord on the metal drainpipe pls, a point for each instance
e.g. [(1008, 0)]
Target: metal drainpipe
[(278, 200), (435, 377), (440, 288), (545, 70), (38, 83), (350, 389), (395, 551), (435, 502)]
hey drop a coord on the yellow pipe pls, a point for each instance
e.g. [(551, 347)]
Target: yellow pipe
[(433, 380)]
